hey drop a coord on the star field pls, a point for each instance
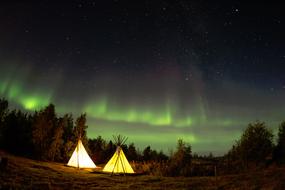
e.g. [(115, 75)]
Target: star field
[(154, 71)]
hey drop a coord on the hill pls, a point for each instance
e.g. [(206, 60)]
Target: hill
[(23, 173)]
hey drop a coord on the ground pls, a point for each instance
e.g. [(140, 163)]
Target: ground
[(23, 173)]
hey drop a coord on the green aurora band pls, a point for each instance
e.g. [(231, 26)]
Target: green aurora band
[(101, 109), (15, 92), (153, 118)]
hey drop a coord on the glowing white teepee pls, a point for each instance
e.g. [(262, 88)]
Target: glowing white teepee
[(80, 158)]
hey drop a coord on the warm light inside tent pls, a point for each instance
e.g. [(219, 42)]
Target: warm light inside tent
[(80, 158), (118, 163)]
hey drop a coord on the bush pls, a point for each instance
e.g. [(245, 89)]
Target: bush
[(180, 161)]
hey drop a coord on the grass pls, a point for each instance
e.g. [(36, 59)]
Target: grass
[(23, 173)]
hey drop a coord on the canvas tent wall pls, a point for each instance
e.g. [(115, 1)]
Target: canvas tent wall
[(118, 163), (80, 158)]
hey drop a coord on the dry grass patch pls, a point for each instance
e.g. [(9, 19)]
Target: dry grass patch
[(23, 173)]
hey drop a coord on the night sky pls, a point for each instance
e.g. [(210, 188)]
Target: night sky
[(154, 71)]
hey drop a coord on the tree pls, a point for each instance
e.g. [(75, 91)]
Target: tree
[(43, 126), (80, 127), (3, 113), (147, 153), (256, 143), (132, 152), (3, 109), (97, 147), (279, 152), (161, 156), (17, 131), (109, 150), (234, 158), (79, 131), (68, 137), (67, 127), (54, 152), (180, 162)]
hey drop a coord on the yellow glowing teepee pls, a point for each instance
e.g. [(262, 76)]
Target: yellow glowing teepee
[(80, 158), (118, 163)]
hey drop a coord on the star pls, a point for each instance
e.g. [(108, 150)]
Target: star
[(183, 56)]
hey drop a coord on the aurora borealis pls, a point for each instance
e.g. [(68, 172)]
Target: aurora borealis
[(152, 71)]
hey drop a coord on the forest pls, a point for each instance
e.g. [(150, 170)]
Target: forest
[(43, 135)]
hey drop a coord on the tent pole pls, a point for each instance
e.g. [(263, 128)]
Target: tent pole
[(115, 163), (123, 165), (77, 150)]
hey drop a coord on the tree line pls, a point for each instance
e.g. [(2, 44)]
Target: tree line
[(45, 136)]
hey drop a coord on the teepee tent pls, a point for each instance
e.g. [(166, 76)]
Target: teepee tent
[(80, 158), (118, 163)]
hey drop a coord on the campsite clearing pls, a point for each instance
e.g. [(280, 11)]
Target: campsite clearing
[(23, 173)]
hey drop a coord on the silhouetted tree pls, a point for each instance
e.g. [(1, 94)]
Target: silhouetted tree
[(109, 151), (210, 156), (3, 109), (256, 144), (3, 113), (161, 156), (180, 162), (124, 147), (17, 133), (132, 152), (43, 126), (279, 152), (67, 127), (79, 132), (97, 147), (147, 154), (54, 152), (234, 158), (80, 129), (68, 137), (154, 155)]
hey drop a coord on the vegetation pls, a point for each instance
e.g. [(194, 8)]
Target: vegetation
[(180, 161), (23, 173), (45, 136), (254, 148), (279, 152)]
